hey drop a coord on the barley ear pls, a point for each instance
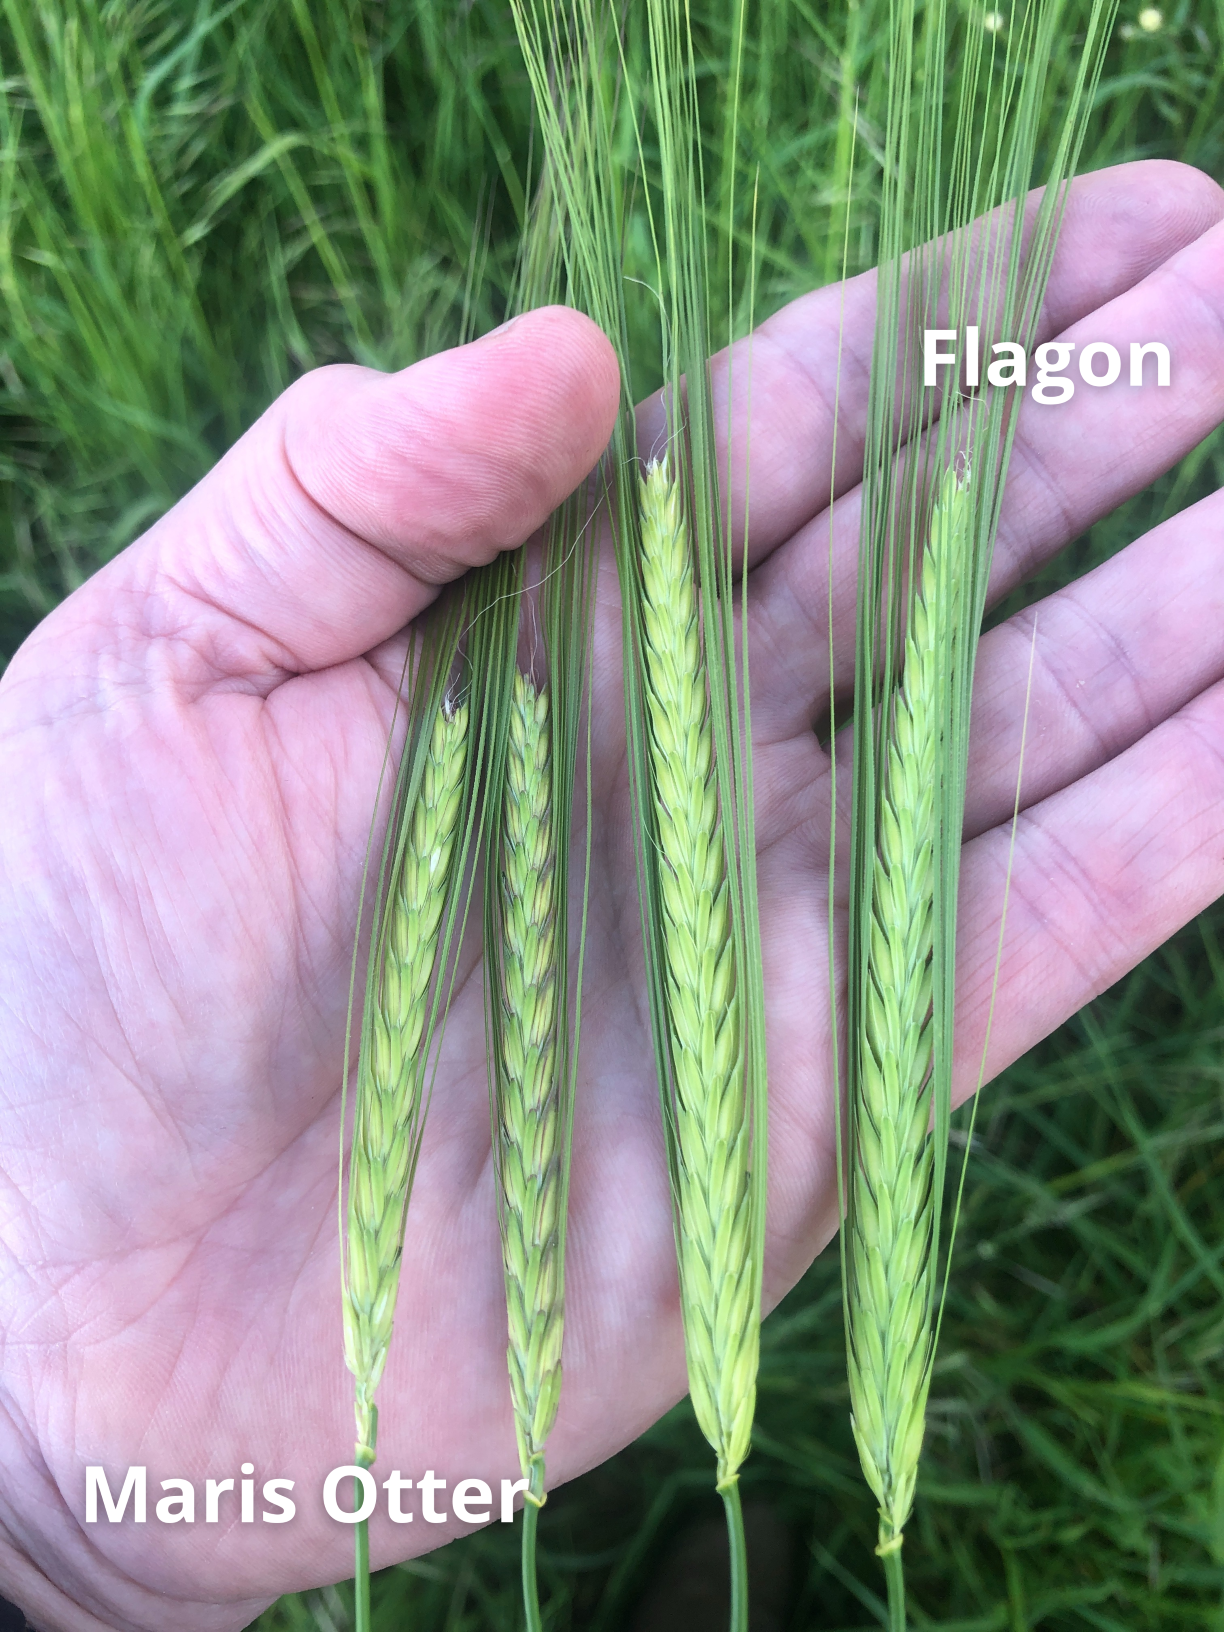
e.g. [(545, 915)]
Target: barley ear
[(712, 1130), (387, 1128), (892, 1277), (528, 1120)]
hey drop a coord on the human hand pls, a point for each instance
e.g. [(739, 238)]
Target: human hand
[(193, 741)]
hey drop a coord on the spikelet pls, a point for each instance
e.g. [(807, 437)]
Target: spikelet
[(386, 1134), (891, 1210), (528, 1109), (712, 1126)]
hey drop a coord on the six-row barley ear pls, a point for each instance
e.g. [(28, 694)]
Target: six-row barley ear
[(891, 1274), (712, 1127), (386, 1132), (528, 1112)]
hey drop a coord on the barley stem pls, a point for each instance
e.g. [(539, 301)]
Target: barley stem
[(361, 1566), (894, 1575), (531, 1590), (739, 1557)]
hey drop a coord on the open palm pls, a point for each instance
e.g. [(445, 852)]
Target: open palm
[(191, 745)]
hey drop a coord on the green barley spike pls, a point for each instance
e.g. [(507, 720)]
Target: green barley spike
[(892, 1277), (529, 1121), (713, 1138), (386, 1133)]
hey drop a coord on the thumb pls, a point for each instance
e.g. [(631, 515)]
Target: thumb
[(335, 519)]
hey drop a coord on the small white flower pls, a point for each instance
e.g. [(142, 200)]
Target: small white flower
[(993, 22), (1150, 19)]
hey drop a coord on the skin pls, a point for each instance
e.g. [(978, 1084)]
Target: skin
[(196, 735)]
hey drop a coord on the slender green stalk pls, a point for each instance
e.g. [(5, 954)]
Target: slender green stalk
[(739, 1557), (361, 1567), (894, 1576), (531, 1590)]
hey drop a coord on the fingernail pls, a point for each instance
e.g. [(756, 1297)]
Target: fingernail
[(502, 327)]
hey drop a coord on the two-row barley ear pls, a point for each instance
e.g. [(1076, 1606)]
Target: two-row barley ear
[(529, 1128), (712, 1128), (892, 1203), (390, 1075)]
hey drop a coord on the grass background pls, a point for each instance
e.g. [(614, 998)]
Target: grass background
[(200, 199)]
